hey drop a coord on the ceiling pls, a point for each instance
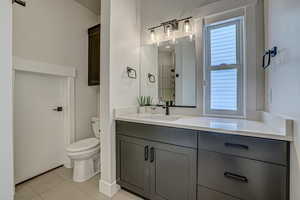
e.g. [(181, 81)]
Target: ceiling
[(93, 5)]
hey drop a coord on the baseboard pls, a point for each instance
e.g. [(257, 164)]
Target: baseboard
[(14, 192), (108, 189), (68, 164)]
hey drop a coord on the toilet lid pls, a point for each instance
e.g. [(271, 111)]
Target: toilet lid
[(83, 145)]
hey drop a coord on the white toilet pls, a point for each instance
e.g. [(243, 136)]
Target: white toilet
[(85, 155)]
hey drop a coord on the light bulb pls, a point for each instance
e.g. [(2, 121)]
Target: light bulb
[(152, 33), (191, 37), (158, 42), (187, 26), (168, 30)]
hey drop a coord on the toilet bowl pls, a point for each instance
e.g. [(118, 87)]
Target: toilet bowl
[(85, 155)]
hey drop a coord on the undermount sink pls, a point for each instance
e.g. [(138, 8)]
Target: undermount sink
[(160, 117)]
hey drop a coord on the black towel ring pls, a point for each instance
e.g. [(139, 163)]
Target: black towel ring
[(151, 78), (131, 73), (269, 53)]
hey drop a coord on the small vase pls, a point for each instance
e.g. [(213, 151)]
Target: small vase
[(142, 110)]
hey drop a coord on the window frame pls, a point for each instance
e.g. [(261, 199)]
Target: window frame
[(239, 22)]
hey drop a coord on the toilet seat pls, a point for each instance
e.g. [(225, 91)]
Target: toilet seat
[(83, 145), (81, 155)]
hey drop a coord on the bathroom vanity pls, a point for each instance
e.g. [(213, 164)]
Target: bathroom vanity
[(162, 161)]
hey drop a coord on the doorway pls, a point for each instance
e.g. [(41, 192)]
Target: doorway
[(43, 118)]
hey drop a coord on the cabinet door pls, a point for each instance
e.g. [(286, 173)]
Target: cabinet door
[(173, 172), (94, 55), (133, 165)]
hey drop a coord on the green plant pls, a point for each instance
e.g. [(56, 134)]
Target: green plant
[(141, 100), (144, 100), (148, 101)]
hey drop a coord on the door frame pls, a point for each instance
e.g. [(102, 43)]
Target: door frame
[(69, 75)]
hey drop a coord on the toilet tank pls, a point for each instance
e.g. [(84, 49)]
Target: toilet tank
[(96, 126)]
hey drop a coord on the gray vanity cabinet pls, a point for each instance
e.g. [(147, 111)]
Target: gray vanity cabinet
[(164, 163), (153, 169)]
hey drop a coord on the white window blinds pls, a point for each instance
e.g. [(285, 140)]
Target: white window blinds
[(224, 89), (223, 71), (223, 45)]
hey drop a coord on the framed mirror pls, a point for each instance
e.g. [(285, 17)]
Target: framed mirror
[(168, 72)]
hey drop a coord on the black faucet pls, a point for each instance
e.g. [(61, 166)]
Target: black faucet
[(167, 107)]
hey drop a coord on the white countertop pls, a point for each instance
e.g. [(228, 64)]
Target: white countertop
[(219, 125)]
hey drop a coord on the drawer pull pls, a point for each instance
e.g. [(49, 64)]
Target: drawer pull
[(238, 146), (146, 153), (236, 177), (151, 154)]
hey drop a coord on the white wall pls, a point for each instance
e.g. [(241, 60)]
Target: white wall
[(55, 31), (6, 132), (93, 5), (120, 47), (282, 77)]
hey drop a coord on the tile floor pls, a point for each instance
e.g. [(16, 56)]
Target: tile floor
[(58, 185)]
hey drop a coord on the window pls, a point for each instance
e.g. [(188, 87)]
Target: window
[(224, 68)]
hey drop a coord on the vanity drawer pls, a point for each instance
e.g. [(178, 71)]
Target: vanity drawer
[(208, 194), (240, 177), (176, 136), (274, 151)]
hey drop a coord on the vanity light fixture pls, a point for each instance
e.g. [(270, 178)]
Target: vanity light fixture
[(152, 32), (168, 30), (170, 27), (187, 26)]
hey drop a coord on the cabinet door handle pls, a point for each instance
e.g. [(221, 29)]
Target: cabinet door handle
[(152, 154), (236, 177), (146, 153), (238, 146)]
